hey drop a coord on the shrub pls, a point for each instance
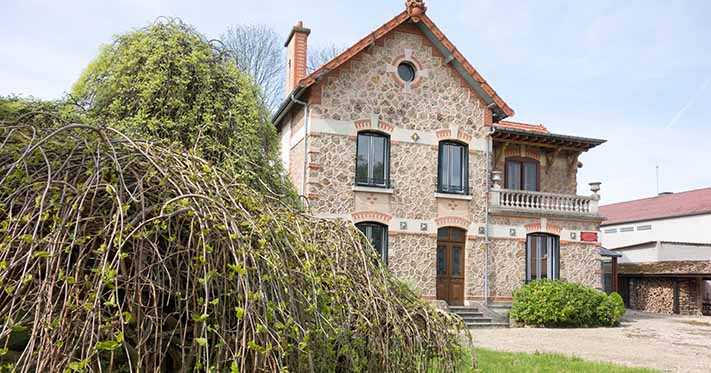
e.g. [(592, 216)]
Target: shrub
[(563, 304)]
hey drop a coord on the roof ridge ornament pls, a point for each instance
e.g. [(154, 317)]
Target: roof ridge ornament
[(416, 9)]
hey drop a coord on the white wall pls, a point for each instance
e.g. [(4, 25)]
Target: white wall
[(665, 251), (696, 229)]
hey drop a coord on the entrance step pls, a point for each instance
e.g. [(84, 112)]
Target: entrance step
[(486, 325), (474, 317)]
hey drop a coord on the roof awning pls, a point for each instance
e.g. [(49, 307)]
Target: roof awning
[(607, 252), (542, 139)]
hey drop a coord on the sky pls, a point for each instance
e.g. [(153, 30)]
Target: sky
[(637, 73)]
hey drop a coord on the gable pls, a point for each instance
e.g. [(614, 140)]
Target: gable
[(450, 55), (367, 84)]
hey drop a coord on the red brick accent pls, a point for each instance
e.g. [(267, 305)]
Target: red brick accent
[(367, 124), (297, 55), (378, 217), (314, 166), (385, 126), (529, 152), (452, 221), (315, 94), (443, 134), (461, 135), (363, 124), (536, 228)]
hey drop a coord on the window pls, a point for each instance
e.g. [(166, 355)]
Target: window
[(372, 160), (406, 71), (611, 230), (542, 257), (644, 227), (453, 175), (377, 234), (522, 174), (627, 229)]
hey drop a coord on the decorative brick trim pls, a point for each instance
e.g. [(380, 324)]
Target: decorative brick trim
[(443, 134), (452, 221), (314, 166), (523, 151), (460, 135), (367, 125), (419, 71), (378, 217), (363, 124), (537, 228)]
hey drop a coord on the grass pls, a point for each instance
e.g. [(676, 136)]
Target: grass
[(495, 361)]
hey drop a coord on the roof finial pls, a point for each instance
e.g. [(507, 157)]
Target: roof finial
[(415, 8)]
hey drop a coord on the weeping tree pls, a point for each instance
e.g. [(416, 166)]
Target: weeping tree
[(157, 235), (167, 83), (119, 255)]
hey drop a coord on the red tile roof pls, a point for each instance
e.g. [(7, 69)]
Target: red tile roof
[(693, 202), (523, 126)]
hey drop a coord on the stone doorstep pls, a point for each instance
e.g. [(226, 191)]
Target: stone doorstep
[(491, 325)]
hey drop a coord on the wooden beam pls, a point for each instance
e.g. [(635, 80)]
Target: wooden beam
[(615, 286), (699, 295)]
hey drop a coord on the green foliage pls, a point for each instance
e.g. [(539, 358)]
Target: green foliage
[(563, 304), (118, 253), (167, 83), (36, 112), (516, 362)]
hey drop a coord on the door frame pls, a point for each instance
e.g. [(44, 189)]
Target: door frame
[(449, 242)]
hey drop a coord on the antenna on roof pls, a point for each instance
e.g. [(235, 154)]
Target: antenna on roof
[(657, 178)]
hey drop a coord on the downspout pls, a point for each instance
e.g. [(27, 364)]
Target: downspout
[(486, 215), (306, 141)]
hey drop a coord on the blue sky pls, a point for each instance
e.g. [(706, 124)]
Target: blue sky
[(637, 73)]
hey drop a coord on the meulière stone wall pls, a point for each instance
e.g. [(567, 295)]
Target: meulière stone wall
[(507, 263), (332, 181), (580, 263), (414, 172), (412, 258), (365, 86)]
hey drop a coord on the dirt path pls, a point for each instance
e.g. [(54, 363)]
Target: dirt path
[(669, 343)]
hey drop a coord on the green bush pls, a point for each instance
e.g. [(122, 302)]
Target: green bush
[(563, 304)]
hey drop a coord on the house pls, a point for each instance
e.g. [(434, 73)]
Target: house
[(402, 136), (664, 243)]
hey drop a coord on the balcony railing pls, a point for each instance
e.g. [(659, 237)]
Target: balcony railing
[(522, 200)]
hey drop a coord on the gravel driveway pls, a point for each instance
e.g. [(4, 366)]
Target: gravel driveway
[(669, 343)]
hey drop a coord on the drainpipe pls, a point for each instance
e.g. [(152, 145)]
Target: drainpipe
[(486, 215), (306, 141)]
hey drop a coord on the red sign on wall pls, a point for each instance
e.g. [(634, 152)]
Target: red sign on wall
[(588, 236)]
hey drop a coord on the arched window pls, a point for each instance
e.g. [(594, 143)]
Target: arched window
[(453, 168), (522, 174), (378, 235), (373, 160), (542, 257)]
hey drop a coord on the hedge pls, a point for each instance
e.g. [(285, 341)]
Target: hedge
[(550, 303)]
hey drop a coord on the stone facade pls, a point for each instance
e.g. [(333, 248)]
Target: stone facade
[(412, 258), (366, 94), (364, 86)]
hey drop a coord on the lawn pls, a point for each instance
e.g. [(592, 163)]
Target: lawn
[(495, 361)]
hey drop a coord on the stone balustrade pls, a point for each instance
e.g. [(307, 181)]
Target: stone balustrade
[(539, 202)]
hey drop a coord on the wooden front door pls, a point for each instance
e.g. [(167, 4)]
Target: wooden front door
[(450, 265)]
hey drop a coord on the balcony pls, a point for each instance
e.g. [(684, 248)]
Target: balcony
[(523, 201)]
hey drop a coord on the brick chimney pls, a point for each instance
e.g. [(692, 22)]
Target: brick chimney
[(296, 56)]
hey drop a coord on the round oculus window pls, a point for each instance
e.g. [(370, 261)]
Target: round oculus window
[(406, 71)]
